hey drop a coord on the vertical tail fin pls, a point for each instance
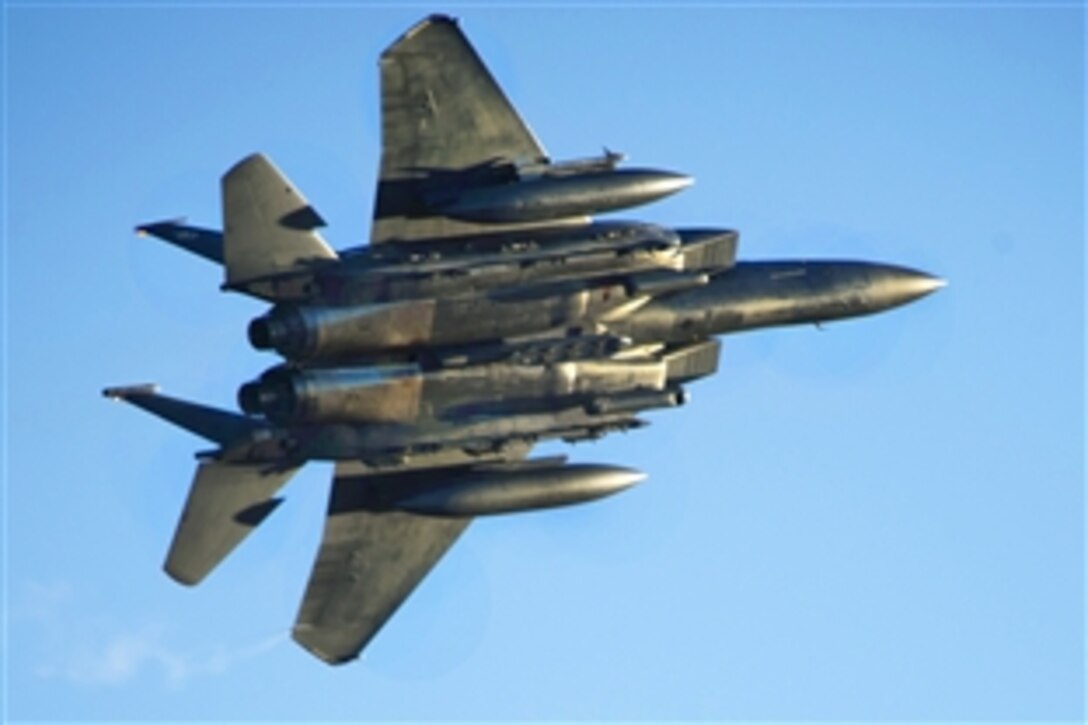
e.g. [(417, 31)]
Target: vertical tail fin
[(226, 503), (268, 226)]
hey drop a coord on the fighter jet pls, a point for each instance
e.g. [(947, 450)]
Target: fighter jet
[(489, 312)]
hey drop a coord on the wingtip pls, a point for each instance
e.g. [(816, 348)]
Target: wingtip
[(148, 228), (305, 636), (180, 575), (435, 19), (123, 392)]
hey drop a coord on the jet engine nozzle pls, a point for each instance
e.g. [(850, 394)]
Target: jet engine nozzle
[(341, 395), (260, 334), (302, 333), (250, 399), (274, 396)]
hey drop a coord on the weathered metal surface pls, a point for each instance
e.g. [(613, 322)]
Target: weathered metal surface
[(764, 294), (407, 394), (488, 314)]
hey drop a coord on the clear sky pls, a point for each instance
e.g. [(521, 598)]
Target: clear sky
[(880, 520)]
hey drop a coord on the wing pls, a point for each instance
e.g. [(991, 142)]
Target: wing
[(444, 122), (371, 558), (226, 502)]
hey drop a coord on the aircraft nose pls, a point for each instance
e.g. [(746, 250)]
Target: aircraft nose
[(900, 285)]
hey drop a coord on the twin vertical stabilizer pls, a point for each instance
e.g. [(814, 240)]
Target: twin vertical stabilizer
[(269, 228), (227, 501)]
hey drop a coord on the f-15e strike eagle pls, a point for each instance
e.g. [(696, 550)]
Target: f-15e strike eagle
[(490, 311)]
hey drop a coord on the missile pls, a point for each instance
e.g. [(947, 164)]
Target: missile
[(559, 197), (661, 282), (508, 489), (532, 352), (638, 401)]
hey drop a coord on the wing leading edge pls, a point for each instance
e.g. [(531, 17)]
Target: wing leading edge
[(445, 122)]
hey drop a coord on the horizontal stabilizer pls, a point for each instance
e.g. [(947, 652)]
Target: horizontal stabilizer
[(206, 243), (226, 502), (371, 558), (218, 426), (268, 226)]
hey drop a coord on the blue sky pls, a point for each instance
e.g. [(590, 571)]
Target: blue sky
[(880, 520)]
